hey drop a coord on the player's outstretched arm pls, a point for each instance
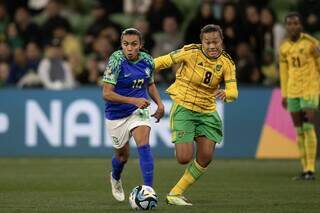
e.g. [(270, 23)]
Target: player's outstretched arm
[(110, 95), (163, 62), (154, 94)]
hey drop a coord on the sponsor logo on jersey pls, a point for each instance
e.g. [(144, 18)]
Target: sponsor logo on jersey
[(201, 64), (126, 75)]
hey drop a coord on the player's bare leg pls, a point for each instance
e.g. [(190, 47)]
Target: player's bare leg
[(205, 150)]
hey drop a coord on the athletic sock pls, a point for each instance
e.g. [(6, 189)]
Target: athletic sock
[(301, 146), (310, 146), (146, 164), (117, 167), (191, 175)]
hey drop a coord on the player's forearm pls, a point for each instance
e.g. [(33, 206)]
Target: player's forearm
[(283, 79), (163, 62), (154, 94), (231, 91), (283, 89), (116, 98), (318, 64)]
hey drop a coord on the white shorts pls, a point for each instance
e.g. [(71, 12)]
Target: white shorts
[(120, 129)]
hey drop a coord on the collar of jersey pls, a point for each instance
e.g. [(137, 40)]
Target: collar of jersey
[(300, 37), (136, 61)]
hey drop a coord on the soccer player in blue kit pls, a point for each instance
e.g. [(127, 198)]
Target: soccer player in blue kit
[(128, 79)]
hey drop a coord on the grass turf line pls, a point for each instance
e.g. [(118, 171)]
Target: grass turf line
[(81, 185)]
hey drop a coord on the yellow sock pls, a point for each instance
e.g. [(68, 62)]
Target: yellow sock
[(191, 174), (310, 146), (301, 146)]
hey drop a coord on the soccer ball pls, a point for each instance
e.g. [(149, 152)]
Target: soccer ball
[(143, 198)]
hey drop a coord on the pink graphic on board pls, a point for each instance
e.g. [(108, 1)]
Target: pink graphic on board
[(278, 118)]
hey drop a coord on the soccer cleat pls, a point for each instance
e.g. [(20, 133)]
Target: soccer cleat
[(309, 176), (300, 176), (178, 200), (117, 190), (305, 176)]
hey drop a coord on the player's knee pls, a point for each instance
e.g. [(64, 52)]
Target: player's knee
[(184, 159), (308, 117), (308, 126), (143, 142), (123, 157)]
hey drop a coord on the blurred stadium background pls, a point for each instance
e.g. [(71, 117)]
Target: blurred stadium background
[(52, 56)]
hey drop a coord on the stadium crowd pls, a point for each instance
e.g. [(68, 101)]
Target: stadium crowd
[(59, 44)]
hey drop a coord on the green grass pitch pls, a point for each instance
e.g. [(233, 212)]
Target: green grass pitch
[(80, 185)]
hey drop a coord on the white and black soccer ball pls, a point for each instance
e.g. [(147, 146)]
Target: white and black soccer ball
[(143, 198)]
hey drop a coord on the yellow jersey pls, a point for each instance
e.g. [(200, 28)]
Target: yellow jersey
[(198, 77), (299, 67)]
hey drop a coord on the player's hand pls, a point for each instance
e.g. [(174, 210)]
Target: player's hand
[(159, 113), (221, 94), (141, 103), (284, 103)]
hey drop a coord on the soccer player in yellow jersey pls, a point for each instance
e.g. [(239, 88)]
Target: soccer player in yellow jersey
[(300, 85), (193, 116)]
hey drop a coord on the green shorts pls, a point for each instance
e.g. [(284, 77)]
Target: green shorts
[(298, 104), (187, 124)]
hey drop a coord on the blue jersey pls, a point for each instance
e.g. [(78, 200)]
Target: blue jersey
[(130, 79)]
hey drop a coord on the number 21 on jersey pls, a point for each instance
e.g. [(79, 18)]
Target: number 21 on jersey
[(296, 61)]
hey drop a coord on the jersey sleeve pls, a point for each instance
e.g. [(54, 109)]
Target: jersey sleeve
[(316, 54), (150, 63), (112, 70), (168, 60), (283, 69), (151, 77), (230, 80)]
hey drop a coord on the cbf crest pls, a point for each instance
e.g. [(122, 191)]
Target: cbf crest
[(148, 72), (115, 140)]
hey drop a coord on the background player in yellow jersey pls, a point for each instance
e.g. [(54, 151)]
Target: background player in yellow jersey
[(193, 116), (299, 72)]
